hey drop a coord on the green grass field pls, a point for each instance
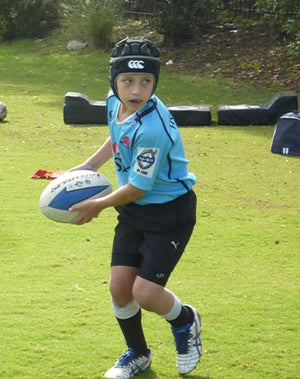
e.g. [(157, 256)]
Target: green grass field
[(241, 268)]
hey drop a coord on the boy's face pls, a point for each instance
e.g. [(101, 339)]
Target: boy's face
[(134, 90)]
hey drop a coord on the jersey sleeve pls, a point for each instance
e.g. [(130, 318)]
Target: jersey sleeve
[(149, 158)]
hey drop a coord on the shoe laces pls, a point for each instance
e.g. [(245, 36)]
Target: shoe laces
[(128, 356), (182, 338)]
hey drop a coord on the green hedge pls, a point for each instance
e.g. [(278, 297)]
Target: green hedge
[(27, 18)]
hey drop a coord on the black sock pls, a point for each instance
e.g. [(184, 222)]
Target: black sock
[(185, 317), (133, 333)]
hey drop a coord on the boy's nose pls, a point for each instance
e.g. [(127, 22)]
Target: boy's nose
[(136, 89)]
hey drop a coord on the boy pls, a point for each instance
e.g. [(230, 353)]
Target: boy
[(156, 208)]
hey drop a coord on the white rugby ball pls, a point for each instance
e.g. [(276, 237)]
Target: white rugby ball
[(3, 111), (71, 188)]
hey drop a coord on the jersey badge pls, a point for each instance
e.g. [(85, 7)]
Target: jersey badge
[(146, 161)]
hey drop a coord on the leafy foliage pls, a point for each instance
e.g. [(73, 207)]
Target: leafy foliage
[(90, 20), (178, 20), (27, 18), (282, 16)]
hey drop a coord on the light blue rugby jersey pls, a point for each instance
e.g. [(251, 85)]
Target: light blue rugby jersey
[(148, 152)]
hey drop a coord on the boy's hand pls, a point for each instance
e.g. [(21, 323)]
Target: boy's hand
[(88, 210)]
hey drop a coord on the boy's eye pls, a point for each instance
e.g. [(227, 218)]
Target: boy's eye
[(128, 81)]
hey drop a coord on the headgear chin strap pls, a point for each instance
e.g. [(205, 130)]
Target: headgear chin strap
[(134, 55)]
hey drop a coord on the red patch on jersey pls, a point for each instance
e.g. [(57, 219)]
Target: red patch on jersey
[(115, 148), (126, 141)]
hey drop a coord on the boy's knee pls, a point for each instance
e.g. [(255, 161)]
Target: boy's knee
[(144, 298), (120, 293)]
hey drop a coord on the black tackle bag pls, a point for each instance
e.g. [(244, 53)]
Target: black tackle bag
[(286, 137)]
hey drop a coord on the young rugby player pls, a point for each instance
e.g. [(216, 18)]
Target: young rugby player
[(156, 208)]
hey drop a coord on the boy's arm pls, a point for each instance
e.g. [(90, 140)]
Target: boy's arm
[(90, 209), (95, 161)]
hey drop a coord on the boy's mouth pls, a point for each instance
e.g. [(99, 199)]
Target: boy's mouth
[(136, 101)]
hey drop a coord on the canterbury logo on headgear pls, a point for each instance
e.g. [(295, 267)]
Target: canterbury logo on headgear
[(135, 64)]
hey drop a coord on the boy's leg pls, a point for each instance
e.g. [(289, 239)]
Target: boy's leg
[(126, 310), (186, 331), (131, 327), (184, 320), (137, 358)]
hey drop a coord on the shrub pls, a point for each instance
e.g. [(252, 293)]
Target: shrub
[(27, 18), (90, 20), (283, 16), (176, 20)]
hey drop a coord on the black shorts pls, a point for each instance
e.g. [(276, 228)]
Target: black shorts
[(153, 237)]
